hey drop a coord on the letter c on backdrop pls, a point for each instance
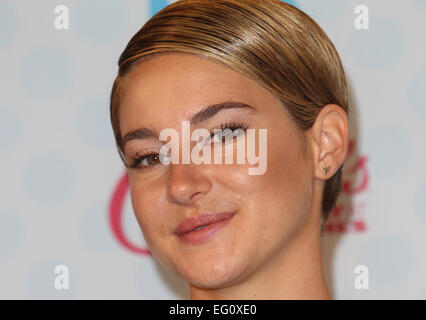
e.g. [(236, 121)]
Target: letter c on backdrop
[(115, 213)]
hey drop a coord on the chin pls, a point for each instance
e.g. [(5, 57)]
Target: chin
[(212, 276)]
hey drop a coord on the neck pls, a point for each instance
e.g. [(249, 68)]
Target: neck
[(295, 272)]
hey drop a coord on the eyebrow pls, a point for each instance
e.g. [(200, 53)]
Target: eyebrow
[(203, 115)]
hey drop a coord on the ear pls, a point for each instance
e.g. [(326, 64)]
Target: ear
[(329, 141)]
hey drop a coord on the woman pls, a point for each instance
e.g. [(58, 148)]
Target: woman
[(236, 64)]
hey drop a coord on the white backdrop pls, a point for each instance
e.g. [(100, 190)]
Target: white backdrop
[(64, 200)]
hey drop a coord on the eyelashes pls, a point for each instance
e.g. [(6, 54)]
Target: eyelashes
[(230, 125), (143, 161), (147, 158)]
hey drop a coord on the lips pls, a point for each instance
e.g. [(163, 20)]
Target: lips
[(200, 221)]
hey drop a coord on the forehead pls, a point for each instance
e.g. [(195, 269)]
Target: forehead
[(169, 88)]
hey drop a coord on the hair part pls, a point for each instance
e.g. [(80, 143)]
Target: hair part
[(269, 41)]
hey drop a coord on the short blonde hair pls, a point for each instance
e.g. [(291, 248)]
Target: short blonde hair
[(269, 41)]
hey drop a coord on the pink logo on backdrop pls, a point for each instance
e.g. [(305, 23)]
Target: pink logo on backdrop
[(348, 215), (116, 207)]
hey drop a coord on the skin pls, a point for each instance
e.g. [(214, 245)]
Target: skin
[(271, 248)]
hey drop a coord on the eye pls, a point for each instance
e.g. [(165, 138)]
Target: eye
[(220, 134), (146, 160)]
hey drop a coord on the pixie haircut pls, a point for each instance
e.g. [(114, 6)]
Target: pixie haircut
[(269, 41)]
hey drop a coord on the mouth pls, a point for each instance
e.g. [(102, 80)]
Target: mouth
[(198, 230)]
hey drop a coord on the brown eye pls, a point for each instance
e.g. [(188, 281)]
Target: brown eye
[(153, 159), (145, 161)]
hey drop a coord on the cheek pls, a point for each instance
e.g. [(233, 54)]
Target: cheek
[(146, 207), (150, 208), (286, 171), (283, 183), (281, 193), (288, 178)]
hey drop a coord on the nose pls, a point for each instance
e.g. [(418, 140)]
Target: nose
[(187, 183)]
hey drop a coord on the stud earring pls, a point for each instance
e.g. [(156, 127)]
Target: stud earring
[(325, 169)]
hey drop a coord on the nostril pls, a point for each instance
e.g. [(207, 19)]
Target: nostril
[(195, 195)]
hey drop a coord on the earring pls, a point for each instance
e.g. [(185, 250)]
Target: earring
[(325, 169)]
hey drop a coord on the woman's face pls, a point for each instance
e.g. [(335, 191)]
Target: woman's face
[(268, 209)]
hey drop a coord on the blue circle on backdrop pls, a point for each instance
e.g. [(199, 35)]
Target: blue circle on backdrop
[(8, 24), (421, 296), (100, 21), (49, 179), (156, 282), (420, 202), (9, 130), (41, 280), (156, 5), (323, 10), (95, 230), (389, 152), (94, 124), (11, 234), (293, 3), (421, 4), (46, 72), (417, 92), (378, 47), (389, 259)]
